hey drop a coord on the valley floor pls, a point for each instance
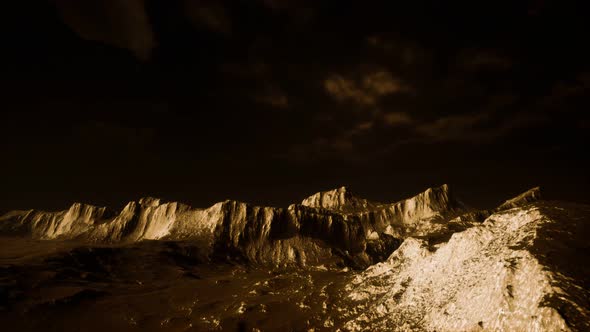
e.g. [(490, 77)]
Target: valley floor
[(155, 287)]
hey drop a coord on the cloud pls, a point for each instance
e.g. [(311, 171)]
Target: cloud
[(452, 127), (563, 93), (343, 89), (365, 125), (357, 143), (378, 134), (360, 129), (484, 59), (258, 82), (341, 148), (342, 145), (380, 42), (379, 121), (401, 52), (366, 91), (209, 14), (393, 119), (274, 97), (381, 83), (121, 23), (482, 126)]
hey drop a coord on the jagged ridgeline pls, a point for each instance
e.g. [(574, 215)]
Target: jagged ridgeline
[(328, 227)]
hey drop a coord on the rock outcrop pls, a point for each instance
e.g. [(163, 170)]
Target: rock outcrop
[(521, 270)]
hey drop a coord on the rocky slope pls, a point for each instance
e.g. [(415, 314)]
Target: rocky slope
[(521, 270), (326, 225)]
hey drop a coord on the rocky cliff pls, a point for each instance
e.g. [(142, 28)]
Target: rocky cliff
[(326, 225)]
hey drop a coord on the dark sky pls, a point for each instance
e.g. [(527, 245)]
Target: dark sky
[(267, 101)]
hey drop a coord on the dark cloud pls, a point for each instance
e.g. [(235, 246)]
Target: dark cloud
[(396, 119), (365, 91), (273, 97), (122, 23), (478, 128), (259, 81), (227, 96), (477, 60), (454, 126), (209, 14), (354, 144)]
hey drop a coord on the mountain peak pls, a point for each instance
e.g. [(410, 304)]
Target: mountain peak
[(434, 202), (339, 190), (342, 199), (438, 197), (529, 196), (440, 189), (339, 199), (149, 202)]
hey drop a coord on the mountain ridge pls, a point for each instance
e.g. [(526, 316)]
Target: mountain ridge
[(324, 224), (428, 263)]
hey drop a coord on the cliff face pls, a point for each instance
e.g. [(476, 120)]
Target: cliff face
[(515, 272), (327, 224)]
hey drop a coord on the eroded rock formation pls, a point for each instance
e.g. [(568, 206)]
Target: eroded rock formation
[(325, 225)]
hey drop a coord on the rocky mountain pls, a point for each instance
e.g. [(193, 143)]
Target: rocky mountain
[(520, 270), (326, 225), (426, 263)]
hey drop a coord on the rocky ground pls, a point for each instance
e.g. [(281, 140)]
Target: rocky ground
[(159, 286)]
